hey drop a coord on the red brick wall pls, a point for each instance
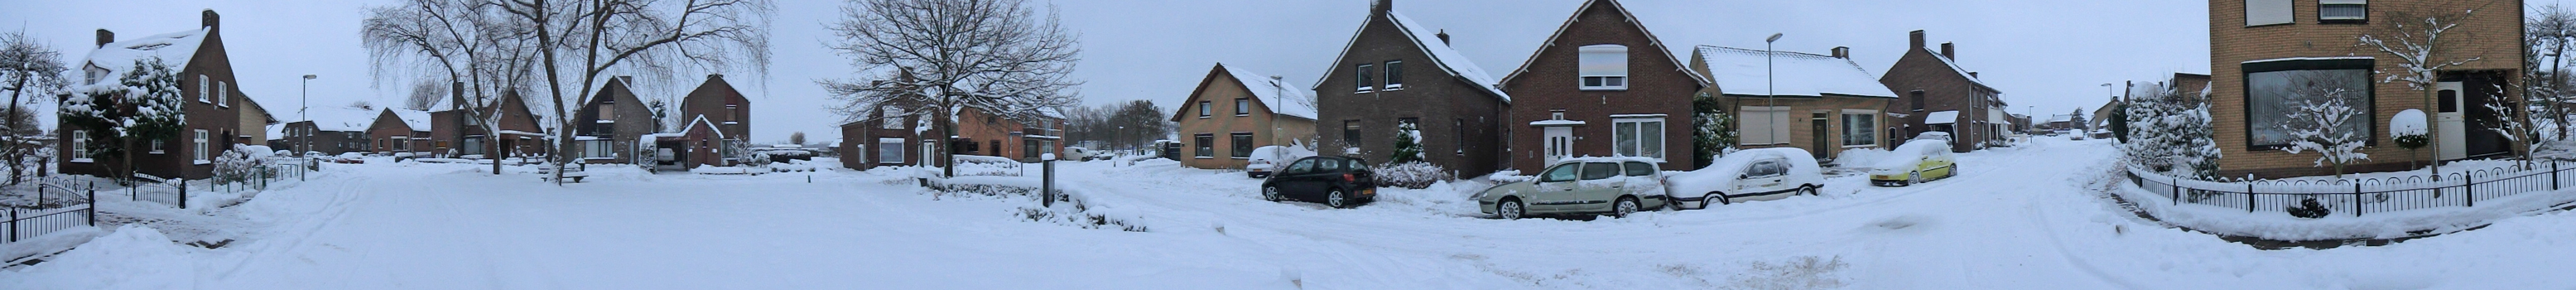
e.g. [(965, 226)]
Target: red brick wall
[(2492, 33), (1551, 82)]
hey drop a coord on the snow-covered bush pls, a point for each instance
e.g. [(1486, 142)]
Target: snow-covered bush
[(2309, 209), (1408, 143), (2408, 130), (1715, 135), (2321, 122), (1414, 175), (240, 164), (2170, 132)]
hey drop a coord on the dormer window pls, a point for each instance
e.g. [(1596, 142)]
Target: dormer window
[(1604, 67), (2343, 11)]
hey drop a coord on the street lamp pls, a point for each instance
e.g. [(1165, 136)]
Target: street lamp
[(303, 101), (1770, 86)]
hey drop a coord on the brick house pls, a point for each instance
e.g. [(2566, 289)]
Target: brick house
[(2262, 51), (1396, 71), (607, 128), (1602, 85), (206, 82), (725, 111), (454, 132), (331, 131), (399, 131), (1824, 103), (1234, 111), (1936, 94), (885, 136)]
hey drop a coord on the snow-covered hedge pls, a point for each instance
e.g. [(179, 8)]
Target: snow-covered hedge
[(1414, 175), (241, 164)]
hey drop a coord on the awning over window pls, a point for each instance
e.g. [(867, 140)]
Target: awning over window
[(1942, 117)]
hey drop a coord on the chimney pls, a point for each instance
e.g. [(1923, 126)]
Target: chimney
[(1948, 52), (105, 37), (1917, 36), (456, 95), (1381, 7), (212, 20), (1444, 36), (1842, 52), (1972, 75)]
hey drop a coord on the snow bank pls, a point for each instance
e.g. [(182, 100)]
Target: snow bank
[(49, 243), (134, 257), (1450, 198)]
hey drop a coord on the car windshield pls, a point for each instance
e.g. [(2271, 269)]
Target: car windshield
[(1597, 170), (1562, 172)]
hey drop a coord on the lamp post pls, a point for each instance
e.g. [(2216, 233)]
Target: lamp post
[(1770, 86), (303, 101)]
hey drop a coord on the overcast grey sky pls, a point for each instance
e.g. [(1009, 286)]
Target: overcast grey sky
[(2049, 54)]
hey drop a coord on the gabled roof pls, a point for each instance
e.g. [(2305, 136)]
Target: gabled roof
[(418, 120), (1963, 71), (344, 119), (1448, 59), (1282, 97), (175, 50), (1740, 71), (1651, 40), (701, 120)]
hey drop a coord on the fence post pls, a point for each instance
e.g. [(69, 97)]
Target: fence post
[(183, 192), (2249, 197), (2469, 188), (2356, 198), (2177, 189), (13, 225), (2553, 175), (93, 207)]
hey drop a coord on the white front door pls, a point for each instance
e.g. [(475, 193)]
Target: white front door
[(2449, 99), (1560, 143)]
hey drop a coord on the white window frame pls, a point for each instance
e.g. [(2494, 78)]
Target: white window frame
[(1393, 75), (1366, 82), (204, 85), (890, 150), (80, 146), (1643, 139), (1846, 127), (2322, 4), (1602, 67), (156, 147), (223, 94), (1778, 119), (200, 145)]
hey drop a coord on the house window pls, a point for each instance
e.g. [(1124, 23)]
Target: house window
[(1242, 145), (1394, 75), (997, 148), (2267, 12), (1459, 141), (223, 94), (1917, 99), (1351, 133), (1860, 128), (893, 119), (1206, 146), (80, 144), (2275, 89), (200, 147), (1203, 109), (1639, 137), (1366, 84), (1763, 125), (1604, 67), (2343, 11), (474, 145), (1242, 107), (890, 150), (156, 146), (204, 86)]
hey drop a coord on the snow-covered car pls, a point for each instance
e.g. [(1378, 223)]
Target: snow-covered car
[(1340, 182), (1749, 175), (350, 158), (1268, 158), (1076, 153), (1943, 136), (1913, 163), (1590, 185)]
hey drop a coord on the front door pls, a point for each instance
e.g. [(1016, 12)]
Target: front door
[(1817, 137), (2450, 121), (1560, 143)]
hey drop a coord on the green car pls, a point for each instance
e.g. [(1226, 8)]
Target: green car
[(1616, 186)]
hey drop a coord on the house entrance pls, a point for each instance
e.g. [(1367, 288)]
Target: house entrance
[(1818, 134), (1560, 143)]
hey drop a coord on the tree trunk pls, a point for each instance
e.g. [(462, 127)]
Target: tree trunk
[(947, 127), (13, 155)]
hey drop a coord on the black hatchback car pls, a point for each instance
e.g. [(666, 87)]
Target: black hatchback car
[(1340, 182)]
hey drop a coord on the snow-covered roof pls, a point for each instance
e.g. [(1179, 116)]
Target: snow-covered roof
[(1283, 98), (276, 131), (1963, 72), (1651, 40), (1741, 71), (175, 50), (418, 120), (341, 118), (693, 126), (1448, 59), (1547, 123), (2060, 118), (1942, 117)]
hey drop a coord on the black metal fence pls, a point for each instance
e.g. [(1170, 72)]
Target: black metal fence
[(29, 223), (2362, 195)]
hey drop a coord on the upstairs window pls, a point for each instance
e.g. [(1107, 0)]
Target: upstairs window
[(1203, 109), (1604, 67), (2343, 11), (223, 94), (2267, 12), (1242, 107), (204, 86), (1394, 75), (1365, 82)]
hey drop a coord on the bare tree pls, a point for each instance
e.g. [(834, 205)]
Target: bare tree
[(2423, 43), (797, 138), (2550, 29), (25, 67), (431, 43), (424, 95), (2325, 121), (995, 56), (580, 42)]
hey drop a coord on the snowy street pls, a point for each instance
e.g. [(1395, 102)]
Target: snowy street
[(2019, 218)]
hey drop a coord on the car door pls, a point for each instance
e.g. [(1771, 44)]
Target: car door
[(1554, 188), (1314, 182), (1289, 180), (1762, 177), (1599, 186)]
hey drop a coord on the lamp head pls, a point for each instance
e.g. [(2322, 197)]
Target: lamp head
[(1774, 38)]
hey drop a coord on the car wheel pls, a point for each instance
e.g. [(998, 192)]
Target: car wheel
[(1626, 205), (1334, 199), (1712, 198), (1807, 190), (1913, 178), (1270, 193), (1509, 210)]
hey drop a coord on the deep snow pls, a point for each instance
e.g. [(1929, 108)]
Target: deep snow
[(2031, 219)]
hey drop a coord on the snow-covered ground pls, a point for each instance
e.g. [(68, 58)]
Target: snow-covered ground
[(2022, 217)]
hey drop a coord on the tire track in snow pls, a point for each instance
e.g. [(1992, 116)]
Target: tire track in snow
[(349, 190)]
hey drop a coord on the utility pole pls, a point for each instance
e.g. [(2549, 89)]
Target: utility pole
[(304, 101), (1770, 85)]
